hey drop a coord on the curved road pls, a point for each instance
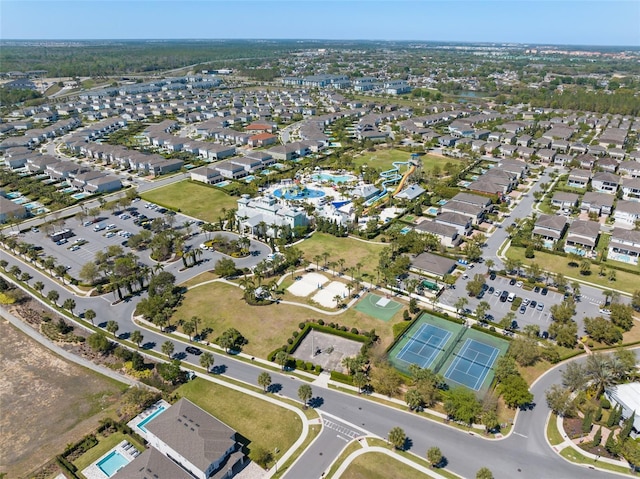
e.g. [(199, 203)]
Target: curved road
[(524, 454)]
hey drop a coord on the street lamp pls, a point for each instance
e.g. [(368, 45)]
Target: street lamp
[(276, 457)]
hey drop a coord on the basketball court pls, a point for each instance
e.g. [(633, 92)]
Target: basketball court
[(380, 307)]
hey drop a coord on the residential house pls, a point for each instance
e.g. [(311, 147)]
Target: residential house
[(599, 203), (462, 223), (366, 192), (206, 174), (630, 168), (103, 184), (578, 178), (562, 160), (631, 189), (627, 212), (152, 464), (582, 237), (262, 139), (194, 440), (475, 212), (433, 265), (586, 162), (550, 228), (10, 210), (448, 235), (564, 201), (605, 182), (624, 246), (608, 164), (546, 155), (411, 192)]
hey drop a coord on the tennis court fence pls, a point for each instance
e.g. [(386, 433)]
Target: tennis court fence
[(449, 350)]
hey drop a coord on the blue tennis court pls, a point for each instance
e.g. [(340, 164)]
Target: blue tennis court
[(423, 346), (472, 364)]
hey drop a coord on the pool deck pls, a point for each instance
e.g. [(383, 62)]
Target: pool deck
[(133, 424), (125, 449)]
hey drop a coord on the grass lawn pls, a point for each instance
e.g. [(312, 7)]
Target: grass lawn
[(221, 306), (351, 448), (373, 465), (104, 445), (574, 456), (263, 424), (351, 250), (193, 199), (558, 264), (383, 159), (553, 434)]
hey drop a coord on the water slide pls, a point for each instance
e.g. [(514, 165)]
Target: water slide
[(391, 177)]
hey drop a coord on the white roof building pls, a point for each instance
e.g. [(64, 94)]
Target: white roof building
[(628, 397)]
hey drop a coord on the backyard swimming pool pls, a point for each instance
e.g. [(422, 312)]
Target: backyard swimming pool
[(14, 194), (432, 210), (19, 201), (79, 196), (112, 463), (222, 184), (150, 417)]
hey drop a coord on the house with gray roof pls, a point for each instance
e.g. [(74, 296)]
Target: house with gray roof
[(432, 264), (550, 228), (627, 213), (411, 192), (268, 215), (152, 464), (578, 178), (631, 189), (605, 182), (564, 200), (460, 222), (448, 235), (599, 203), (582, 237), (9, 210), (624, 245)]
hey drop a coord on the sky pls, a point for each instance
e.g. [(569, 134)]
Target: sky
[(575, 22)]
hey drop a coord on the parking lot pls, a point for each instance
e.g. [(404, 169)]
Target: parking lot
[(111, 229), (586, 306)]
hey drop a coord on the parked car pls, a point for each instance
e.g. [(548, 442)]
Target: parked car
[(545, 335), (526, 301), (519, 284), (512, 281), (491, 290), (544, 291), (497, 293), (492, 276), (533, 304), (540, 307), (523, 309), (503, 296), (536, 289)]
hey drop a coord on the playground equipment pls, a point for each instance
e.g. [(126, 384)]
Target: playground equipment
[(391, 177)]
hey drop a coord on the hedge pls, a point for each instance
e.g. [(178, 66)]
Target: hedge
[(341, 377), (488, 331)]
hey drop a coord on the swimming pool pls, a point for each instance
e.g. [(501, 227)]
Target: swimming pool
[(298, 193), (80, 196), (21, 200), (150, 417), (222, 184), (33, 205), (71, 189), (249, 178), (405, 230), (442, 202), (432, 210), (333, 178), (14, 194), (112, 463)]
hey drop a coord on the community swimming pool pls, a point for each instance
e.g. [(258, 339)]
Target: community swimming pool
[(150, 417), (333, 178), (298, 193), (33, 205), (112, 463)]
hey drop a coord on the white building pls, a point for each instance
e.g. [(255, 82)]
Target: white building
[(268, 214), (628, 397)]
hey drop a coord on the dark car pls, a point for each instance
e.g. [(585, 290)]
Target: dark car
[(533, 304), (492, 276), (536, 289), (512, 281), (523, 309), (544, 291), (489, 317), (485, 287), (480, 295), (545, 335), (193, 350), (504, 296), (491, 290), (514, 324)]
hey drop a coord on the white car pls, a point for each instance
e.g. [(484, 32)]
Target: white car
[(497, 293), (110, 234), (519, 284)]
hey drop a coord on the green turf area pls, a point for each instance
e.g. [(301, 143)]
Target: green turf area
[(367, 305), (373, 465), (263, 424), (383, 159), (193, 199), (625, 281), (553, 434), (222, 306), (353, 251)]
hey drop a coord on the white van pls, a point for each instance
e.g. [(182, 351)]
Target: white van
[(511, 297)]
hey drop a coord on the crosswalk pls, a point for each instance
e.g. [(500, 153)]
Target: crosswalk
[(351, 433)]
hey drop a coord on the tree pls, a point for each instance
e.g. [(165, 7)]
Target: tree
[(434, 456), (397, 437), (600, 329), (574, 377), (167, 348), (635, 301), (564, 333), (90, 315), (207, 360), (305, 393), (490, 420), (53, 296), (264, 380), (231, 339), (515, 391), (490, 264), (414, 400), (99, 342), (385, 379), (484, 473), (281, 358), (112, 327), (188, 328), (481, 310), (69, 304), (89, 272), (599, 371), (360, 380), (136, 337), (525, 351), (225, 267), (460, 303), (631, 451), (475, 285), (505, 366), (597, 438), (171, 371), (462, 405), (622, 315)]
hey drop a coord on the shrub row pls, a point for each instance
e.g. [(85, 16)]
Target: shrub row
[(341, 377), (491, 331)]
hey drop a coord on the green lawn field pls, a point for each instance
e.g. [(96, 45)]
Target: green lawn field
[(193, 199), (383, 159)]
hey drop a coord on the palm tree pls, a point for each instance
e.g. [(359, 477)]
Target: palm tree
[(112, 327), (490, 264), (38, 286), (264, 380), (206, 360), (434, 456), (397, 437), (460, 303), (90, 315), (188, 328), (600, 372), (281, 358), (338, 299), (305, 393), (341, 263), (360, 380), (136, 337), (69, 304), (195, 320), (53, 296), (167, 348), (316, 259)]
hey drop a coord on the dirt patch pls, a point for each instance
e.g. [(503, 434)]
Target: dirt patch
[(46, 402), (573, 427)]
